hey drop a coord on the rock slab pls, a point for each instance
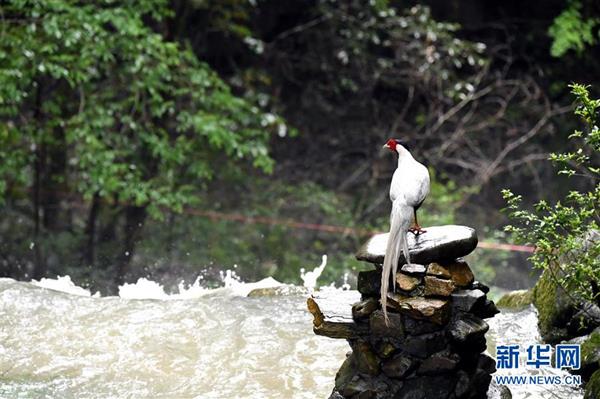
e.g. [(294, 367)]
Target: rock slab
[(438, 243)]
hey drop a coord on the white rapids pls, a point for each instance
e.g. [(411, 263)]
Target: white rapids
[(195, 343)]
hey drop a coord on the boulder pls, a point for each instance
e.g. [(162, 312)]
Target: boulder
[(434, 310), (554, 307), (282, 290), (590, 353), (592, 388), (586, 319), (555, 304), (438, 243), (515, 299)]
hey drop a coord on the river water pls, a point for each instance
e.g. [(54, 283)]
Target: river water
[(57, 341)]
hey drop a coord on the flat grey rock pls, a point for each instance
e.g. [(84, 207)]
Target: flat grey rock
[(332, 314), (413, 268), (437, 244)]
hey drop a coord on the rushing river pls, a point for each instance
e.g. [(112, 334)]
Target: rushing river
[(199, 343)]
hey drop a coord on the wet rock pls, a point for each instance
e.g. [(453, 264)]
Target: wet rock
[(363, 309), (399, 366), (480, 383), (281, 290), (486, 363), (366, 360), (434, 310), (461, 273), (406, 282), (590, 353), (585, 320), (332, 314), (369, 283), (424, 345), (428, 387), (358, 386), (384, 349), (438, 243), (554, 307), (417, 327), (496, 391), (346, 373), (462, 384), (592, 388), (465, 300), (378, 327), (437, 270), (335, 395), (439, 363), (515, 299), (414, 268), (485, 310), (554, 303), (467, 328), (477, 285), (438, 287)]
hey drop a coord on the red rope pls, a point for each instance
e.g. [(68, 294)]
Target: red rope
[(234, 217), (294, 224)]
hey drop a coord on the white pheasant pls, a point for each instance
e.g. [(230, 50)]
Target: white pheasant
[(410, 186)]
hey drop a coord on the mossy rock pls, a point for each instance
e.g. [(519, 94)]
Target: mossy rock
[(516, 299), (590, 351), (592, 388), (554, 306)]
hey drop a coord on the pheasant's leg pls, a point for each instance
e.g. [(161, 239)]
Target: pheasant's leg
[(415, 228)]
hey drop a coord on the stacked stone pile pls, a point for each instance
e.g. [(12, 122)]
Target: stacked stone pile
[(433, 345)]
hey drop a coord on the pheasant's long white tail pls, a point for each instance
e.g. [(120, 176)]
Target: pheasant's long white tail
[(400, 220)]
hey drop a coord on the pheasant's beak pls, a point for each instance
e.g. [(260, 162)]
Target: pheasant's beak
[(385, 146)]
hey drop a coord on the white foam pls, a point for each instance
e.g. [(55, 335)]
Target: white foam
[(63, 284), (310, 278)]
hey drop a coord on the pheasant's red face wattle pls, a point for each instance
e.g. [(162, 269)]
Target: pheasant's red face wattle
[(391, 144)]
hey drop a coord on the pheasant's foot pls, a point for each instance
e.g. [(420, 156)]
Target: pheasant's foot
[(417, 230)]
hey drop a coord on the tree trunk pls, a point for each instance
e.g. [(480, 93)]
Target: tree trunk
[(134, 222), (55, 165), (39, 263), (89, 253), (39, 270)]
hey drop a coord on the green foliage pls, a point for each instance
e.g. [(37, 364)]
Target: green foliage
[(140, 118), (560, 232), (572, 31)]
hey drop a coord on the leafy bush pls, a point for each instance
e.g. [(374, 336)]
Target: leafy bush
[(561, 232)]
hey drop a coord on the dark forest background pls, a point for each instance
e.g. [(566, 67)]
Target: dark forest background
[(132, 131)]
